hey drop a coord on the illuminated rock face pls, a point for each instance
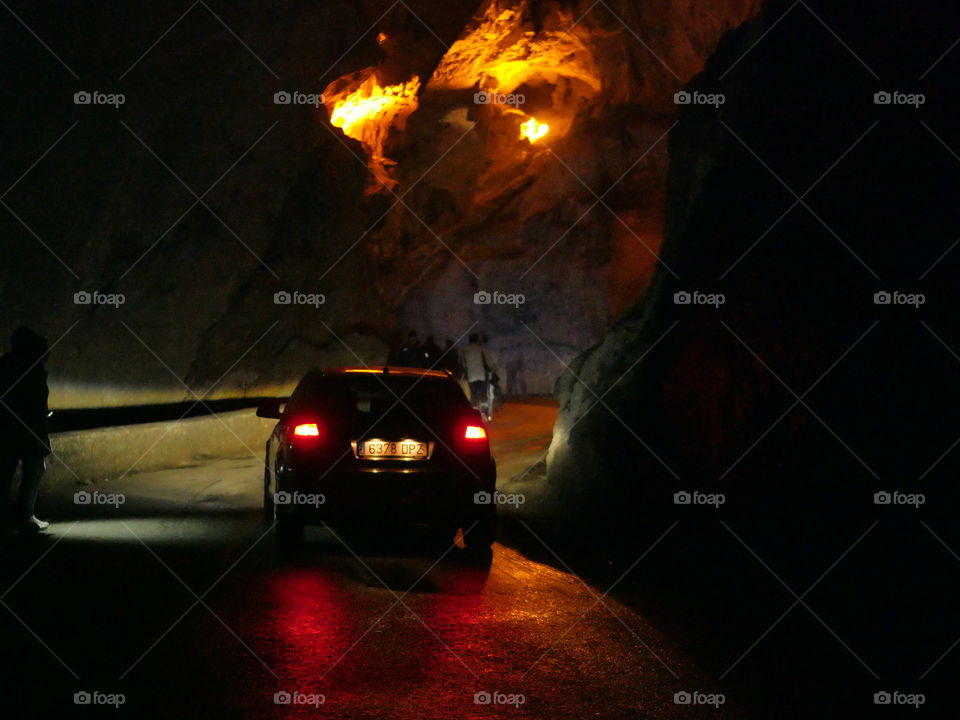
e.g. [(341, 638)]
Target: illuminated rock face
[(367, 111), (484, 207), (535, 166)]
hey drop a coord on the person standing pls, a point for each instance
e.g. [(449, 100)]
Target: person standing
[(450, 359), (412, 354), (477, 368), (432, 353), (24, 438)]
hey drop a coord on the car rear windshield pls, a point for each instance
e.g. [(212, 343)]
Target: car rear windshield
[(374, 394)]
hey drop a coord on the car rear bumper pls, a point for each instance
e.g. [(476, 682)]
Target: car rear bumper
[(387, 495)]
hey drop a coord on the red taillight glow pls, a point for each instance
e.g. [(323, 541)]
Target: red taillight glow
[(475, 432), (306, 430)]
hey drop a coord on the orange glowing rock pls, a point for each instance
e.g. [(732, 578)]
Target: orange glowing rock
[(367, 111), (532, 130), (372, 103)]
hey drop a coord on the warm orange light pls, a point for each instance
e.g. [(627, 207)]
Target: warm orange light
[(475, 432), (369, 112), (372, 102), (533, 131), (307, 430), (381, 38)]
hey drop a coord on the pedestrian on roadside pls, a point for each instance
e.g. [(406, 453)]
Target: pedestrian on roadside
[(24, 438), (450, 359), (432, 353), (477, 368), (412, 354)]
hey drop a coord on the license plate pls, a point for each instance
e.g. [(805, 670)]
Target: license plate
[(407, 449)]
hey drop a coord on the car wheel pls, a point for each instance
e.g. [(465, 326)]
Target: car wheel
[(478, 536), (440, 538)]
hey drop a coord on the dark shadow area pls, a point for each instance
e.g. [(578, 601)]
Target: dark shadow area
[(808, 391), (92, 418), (410, 562), (405, 558)]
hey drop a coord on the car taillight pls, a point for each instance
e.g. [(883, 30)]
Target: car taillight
[(306, 430), (475, 432)]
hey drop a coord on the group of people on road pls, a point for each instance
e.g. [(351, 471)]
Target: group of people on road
[(428, 354), (473, 366)]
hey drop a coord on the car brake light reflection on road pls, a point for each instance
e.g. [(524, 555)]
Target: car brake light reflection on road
[(475, 432), (306, 430)]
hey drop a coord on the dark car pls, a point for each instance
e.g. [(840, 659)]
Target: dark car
[(361, 449)]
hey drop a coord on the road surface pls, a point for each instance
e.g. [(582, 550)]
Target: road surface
[(176, 604)]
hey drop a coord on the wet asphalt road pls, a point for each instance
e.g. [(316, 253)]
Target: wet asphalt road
[(179, 602)]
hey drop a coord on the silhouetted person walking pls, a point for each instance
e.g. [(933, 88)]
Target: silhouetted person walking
[(450, 359), (432, 352), (412, 354), (23, 424)]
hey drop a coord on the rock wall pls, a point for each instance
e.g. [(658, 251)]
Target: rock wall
[(197, 199), (572, 221), (200, 197), (798, 200), (820, 399)]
